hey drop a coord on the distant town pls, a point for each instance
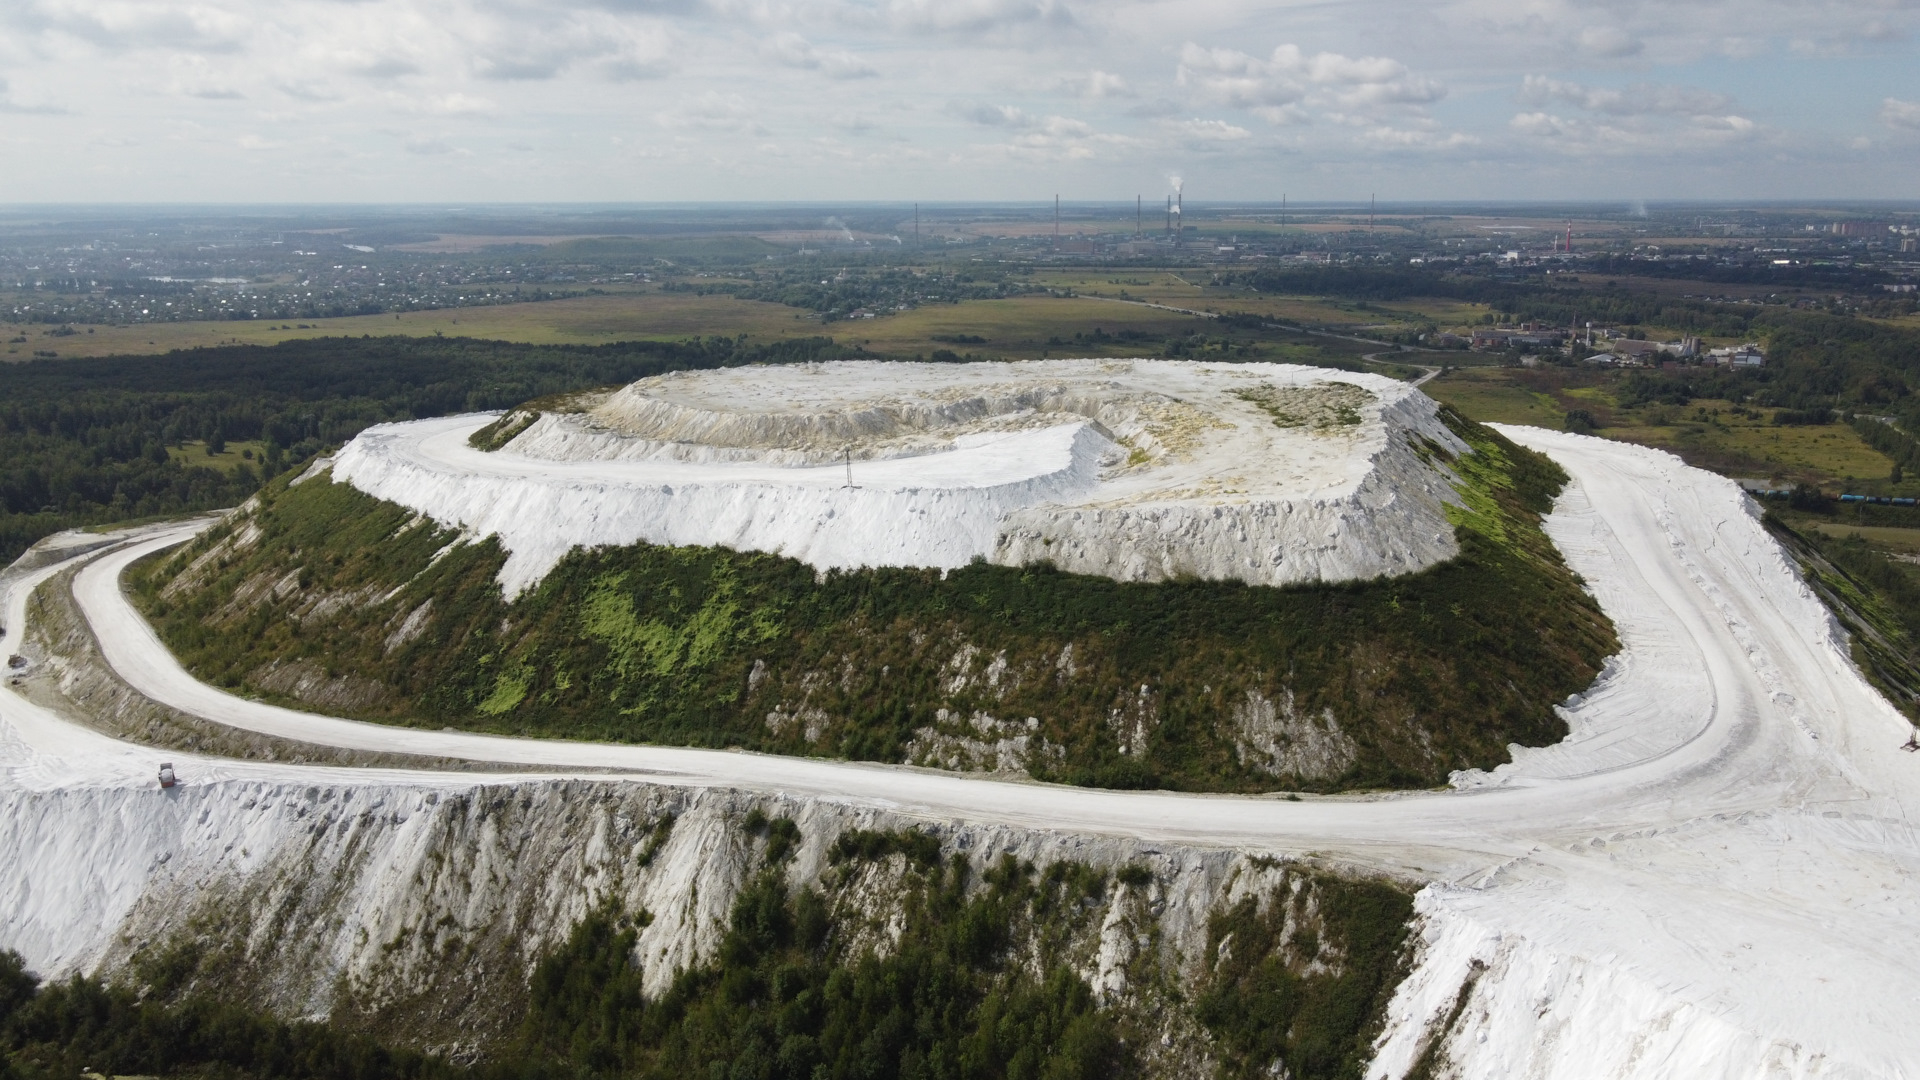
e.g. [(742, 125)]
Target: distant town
[(187, 266)]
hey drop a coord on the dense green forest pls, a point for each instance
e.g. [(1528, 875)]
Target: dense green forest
[(1081, 679), (84, 442), (979, 985)]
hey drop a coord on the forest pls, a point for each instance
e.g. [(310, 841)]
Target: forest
[(85, 442)]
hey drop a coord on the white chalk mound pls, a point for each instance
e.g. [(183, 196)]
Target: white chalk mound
[(1138, 470)]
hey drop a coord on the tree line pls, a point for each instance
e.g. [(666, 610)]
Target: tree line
[(84, 442)]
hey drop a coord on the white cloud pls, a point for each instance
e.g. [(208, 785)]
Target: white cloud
[(1900, 114), (1289, 77), (995, 115), (379, 65), (1539, 123), (1396, 138), (1610, 41), (8, 105), (1052, 138), (1282, 115), (189, 27), (731, 86), (1093, 85), (1213, 131), (1640, 99), (1231, 77), (974, 17), (461, 105), (1635, 118), (796, 52), (1732, 125), (714, 111)]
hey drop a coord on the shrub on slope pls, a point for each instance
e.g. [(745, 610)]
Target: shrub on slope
[(321, 595)]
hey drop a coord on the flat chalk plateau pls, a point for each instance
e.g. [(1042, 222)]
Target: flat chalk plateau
[(1138, 470)]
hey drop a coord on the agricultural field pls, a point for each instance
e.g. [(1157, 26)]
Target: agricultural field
[(1191, 289), (1020, 327), (1901, 542), (587, 320)]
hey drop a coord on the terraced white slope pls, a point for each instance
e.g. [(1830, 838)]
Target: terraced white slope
[(1137, 470)]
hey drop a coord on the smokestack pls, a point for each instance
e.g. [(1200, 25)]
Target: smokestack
[(1137, 219), (1369, 215), (916, 225), (1283, 209), (1056, 219)]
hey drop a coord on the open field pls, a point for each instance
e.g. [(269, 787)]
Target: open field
[(1830, 454), (1489, 396), (1189, 288), (1706, 433), (236, 454), (1883, 537), (587, 320), (1020, 326)]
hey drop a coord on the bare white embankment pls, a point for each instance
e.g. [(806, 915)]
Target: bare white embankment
[(1136, 470)]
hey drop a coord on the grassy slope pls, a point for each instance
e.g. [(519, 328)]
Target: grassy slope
[(700, 646)]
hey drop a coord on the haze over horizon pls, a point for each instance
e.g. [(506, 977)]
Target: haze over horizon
[(674, 100)]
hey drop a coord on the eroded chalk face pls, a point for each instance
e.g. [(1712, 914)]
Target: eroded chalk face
[(1140, 470)]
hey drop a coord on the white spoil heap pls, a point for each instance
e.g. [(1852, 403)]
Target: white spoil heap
[(1138, 470)]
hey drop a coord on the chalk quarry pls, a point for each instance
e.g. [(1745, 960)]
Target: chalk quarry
[(1138, 470), (1714, 875)]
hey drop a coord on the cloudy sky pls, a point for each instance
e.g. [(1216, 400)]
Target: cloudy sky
[(618, 100)]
